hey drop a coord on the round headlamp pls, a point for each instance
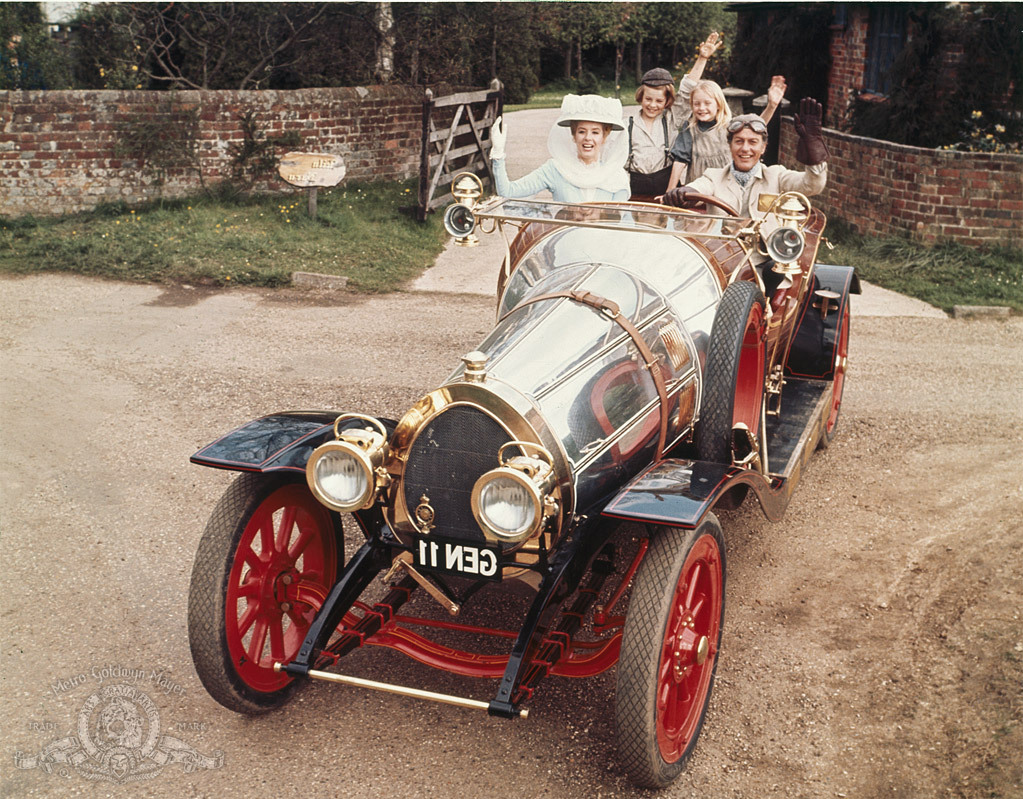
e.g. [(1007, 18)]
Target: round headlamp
[(507, 505), (785, 244), (510, 502), (342, 474)]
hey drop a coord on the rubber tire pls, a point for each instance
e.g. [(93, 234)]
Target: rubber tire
[(208, 591), (674, 553), (838, 379), (741, 307)]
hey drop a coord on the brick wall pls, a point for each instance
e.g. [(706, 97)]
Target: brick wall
[(848, 64), (896, 190), (59, 154)]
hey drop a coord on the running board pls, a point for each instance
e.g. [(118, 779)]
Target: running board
[(358, 682), (678, 492)]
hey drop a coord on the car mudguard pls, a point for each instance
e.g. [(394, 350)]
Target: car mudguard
[(812, 352), (278, 442), (678, 492)]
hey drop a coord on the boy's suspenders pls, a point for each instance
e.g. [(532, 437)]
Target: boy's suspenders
[(667, 144)]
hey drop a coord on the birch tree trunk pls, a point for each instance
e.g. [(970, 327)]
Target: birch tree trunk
[(383, 18)]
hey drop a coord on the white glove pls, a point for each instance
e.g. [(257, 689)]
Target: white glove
[(498, 138)]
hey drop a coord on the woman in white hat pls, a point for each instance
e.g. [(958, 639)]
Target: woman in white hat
[(588, 153)]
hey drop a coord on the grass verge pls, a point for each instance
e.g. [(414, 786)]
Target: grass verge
[(944, 275), (360, 232), (550, 95)]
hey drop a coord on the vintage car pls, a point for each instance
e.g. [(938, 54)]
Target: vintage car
[(636, 374)]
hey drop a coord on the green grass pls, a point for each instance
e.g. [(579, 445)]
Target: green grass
[(359, 232), (362, 233), (550, 96), (943, 275)]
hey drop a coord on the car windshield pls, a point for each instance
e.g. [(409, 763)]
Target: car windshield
[(615, 216)]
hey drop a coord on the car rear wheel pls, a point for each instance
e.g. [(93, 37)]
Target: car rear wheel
[(734, 372), (669, 652), (838, 379), (264, 566)]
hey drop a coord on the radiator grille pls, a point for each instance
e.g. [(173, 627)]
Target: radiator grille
[(446, 460)]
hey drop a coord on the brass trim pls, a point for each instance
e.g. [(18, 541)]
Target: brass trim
[(506, 406), (400, 690), (403, 562)]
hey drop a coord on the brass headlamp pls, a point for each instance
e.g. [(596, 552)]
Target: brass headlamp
[(346, 474), (512, 502)]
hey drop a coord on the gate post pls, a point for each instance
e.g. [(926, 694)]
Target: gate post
[(424, 158)]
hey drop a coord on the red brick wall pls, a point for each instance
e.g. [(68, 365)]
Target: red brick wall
[(848, 65), (58, 148), (926, 195)]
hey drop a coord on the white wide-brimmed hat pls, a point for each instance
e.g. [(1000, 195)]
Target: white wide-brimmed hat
[(591, 108)]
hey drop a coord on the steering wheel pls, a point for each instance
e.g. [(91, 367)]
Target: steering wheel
[(706, 199)]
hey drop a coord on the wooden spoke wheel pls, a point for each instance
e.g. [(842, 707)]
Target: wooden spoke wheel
[(669, 652), (265, 563)]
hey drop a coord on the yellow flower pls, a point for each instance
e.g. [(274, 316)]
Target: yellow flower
[(134, 68), (1000, 128), (977, 114)]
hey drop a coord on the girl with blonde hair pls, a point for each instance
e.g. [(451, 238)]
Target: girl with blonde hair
[(703, 116)]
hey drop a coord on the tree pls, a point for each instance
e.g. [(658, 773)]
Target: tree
[(29, 58), (204, 45), (383, 19)]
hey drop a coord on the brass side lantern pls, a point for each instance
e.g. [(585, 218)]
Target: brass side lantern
[(785, 245), (459, 219)]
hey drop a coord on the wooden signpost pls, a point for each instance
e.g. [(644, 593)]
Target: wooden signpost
[(310, 171)]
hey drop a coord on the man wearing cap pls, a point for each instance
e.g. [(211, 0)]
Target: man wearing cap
[(651, 132)]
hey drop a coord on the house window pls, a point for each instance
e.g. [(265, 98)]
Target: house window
[(885, 38)]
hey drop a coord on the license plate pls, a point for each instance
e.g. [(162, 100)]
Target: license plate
[(457, 557)]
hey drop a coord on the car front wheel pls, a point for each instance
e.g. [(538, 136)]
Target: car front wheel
[(669, 652), (264, 566)]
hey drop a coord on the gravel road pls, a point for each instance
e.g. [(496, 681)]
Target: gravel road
[(872, 645)]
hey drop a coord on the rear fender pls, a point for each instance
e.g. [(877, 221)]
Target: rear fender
[(812, 353), (280, 442)]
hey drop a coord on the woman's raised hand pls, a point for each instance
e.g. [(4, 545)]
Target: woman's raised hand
[(498, 139)]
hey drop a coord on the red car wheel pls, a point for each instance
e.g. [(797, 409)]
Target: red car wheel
[(265, 564), (669, 652)]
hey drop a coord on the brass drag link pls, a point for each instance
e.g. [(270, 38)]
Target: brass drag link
[(401, 690)]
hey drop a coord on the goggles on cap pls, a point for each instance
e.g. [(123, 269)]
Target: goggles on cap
[(751, 121)]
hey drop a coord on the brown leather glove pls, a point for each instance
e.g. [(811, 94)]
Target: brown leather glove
[(811, 148), (678, 198)]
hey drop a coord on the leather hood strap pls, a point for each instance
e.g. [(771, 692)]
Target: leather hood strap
[(612, 310)]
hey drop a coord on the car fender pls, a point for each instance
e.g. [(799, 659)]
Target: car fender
[(275, 443), (679, 492), (812, 352)]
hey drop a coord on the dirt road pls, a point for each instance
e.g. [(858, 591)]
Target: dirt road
[(873, 645)]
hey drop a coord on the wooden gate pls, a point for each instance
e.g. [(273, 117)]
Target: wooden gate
[(453, 128)]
